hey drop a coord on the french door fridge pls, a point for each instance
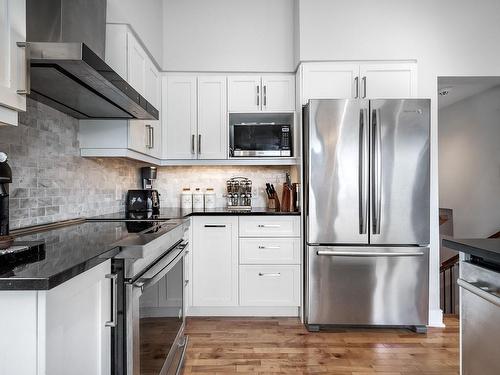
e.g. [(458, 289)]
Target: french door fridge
[(366, 172)]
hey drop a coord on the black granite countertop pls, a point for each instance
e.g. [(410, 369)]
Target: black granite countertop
[(178, 213), (61, 254), (488, 249)]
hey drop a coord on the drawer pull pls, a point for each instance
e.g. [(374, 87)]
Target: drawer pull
[(215, 225), (277, 274), (269, 247), (269, 225)]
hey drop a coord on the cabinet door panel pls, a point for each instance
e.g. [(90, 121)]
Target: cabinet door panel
[(212, 115), (330, 81), (136, 65), (153, 85), (278, 93), (12, 59), (388, 81), (179, 117), (137, 136), (244, 93), (215, 261)]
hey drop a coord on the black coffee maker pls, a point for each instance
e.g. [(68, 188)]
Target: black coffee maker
[(5, 180), (145, 201)]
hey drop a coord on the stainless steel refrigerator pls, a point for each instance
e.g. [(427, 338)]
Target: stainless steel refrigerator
[(366, 176)]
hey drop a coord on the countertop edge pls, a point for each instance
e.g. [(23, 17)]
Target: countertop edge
[(461, 246)]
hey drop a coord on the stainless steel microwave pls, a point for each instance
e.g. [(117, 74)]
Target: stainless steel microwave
[(266, 139)]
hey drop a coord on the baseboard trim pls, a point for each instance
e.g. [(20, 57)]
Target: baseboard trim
[(244, 311), (436, 318)]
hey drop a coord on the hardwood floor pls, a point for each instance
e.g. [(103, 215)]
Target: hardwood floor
[(283, 346)]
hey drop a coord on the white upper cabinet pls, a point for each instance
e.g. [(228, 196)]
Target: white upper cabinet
[(13, 65), (137, 61), (255, 93), (278, 92), (388, 81), (179, 127), (338, 80), (212, 117), (330, 81), (244, 93)]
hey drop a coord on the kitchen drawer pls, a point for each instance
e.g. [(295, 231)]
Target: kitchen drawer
[(269, 285), (269, 251), (269, 226)]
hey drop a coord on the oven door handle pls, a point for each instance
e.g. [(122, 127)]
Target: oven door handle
[(145, 281)]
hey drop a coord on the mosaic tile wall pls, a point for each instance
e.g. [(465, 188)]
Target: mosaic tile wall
[(51, 181)]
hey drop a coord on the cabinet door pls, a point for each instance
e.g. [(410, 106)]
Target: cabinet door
[(137, 61), (179, 117), (212, 115), (153, 85), (278, 92), (388, 81), (12, 60), (215, 261), (330, 81), (244, 93), (138, 136), (76, 334)]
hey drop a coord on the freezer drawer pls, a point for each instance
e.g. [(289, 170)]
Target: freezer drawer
[(367, 286), (480, 314)]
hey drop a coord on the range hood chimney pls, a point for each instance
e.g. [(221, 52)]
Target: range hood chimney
[(66, 47)]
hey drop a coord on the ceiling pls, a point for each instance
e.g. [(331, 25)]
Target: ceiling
[(460, 88)]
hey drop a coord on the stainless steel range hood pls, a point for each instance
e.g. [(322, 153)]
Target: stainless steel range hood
[(66, 40)]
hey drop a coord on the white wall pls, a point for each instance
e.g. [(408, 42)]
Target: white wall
[(229, 35), (446, 37), (469, 164), (145, 17)]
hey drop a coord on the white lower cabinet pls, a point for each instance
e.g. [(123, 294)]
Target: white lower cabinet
[(59, 331), (269, 285), (245, 265), (215, 261)]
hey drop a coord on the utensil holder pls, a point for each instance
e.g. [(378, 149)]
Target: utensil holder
[(273, 203), (286, 198)]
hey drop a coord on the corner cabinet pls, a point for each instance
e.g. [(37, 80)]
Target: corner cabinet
[(59, 331), (256, 93), (339, 80), (139, 139), (195, 119), (14, 84)]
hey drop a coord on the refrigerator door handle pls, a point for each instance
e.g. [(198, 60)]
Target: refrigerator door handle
[(368, 254), (376, 171), (363, 184)]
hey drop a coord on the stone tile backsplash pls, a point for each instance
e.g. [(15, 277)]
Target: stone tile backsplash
[(171, 180), (51, 181)]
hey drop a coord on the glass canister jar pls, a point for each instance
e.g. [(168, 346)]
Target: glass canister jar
[(186, 199), (209, 198)]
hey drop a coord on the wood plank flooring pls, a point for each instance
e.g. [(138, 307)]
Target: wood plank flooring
[(284, 346)]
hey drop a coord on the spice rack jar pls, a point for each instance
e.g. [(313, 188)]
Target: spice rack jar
[(239, 193)]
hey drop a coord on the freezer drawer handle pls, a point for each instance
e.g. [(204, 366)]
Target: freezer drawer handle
[(479, 292), (367, 254)]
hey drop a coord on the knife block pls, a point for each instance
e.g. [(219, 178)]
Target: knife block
[(286, 198), (273, 203)]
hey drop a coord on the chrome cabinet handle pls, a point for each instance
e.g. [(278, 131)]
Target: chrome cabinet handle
[(356, 87), (148, 136), (377, 171), (152, 129), (186, 282), (492, 298), (268, 225), (258, 95), (199, 143), (333, 253), (192, 143), (114, 301), (363, 184), (215, 225), (364, 87), (265, 95), (277, 274), (269, 247), (27, 82)]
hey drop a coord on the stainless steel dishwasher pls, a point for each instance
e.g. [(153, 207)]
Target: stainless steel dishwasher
[(480, 317)]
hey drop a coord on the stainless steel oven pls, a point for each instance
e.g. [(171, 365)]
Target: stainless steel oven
[(148, 298), (251, 139)]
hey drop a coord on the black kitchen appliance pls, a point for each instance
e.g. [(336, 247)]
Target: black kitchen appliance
[(143, 201), (148, 174), (5, 180)]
